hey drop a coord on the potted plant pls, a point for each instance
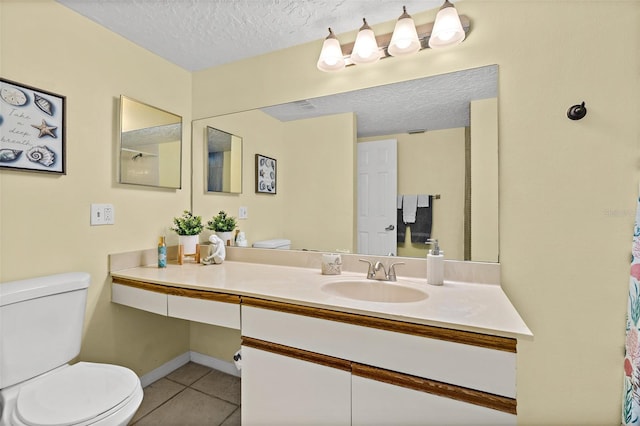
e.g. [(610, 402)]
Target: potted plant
[(188, 227), (223, 226)]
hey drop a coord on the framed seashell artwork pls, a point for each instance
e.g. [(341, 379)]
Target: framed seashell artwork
[(265, 174), (32, 128)]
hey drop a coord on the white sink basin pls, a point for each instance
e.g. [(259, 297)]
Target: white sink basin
[(374, 291)]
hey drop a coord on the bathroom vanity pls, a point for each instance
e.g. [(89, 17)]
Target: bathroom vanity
[(444, 355)]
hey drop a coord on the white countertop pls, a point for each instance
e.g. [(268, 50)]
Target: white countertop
[(482, 308)]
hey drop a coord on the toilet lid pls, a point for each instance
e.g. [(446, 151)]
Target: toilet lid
[(75, 394)]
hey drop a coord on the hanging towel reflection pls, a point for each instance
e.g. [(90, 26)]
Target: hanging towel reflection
[(418, 210)]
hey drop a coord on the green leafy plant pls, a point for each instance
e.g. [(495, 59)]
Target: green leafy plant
[(222, 223), (187, 224)]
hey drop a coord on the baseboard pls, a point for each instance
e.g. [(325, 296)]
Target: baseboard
[(165, 369), (179, 361), (215, 363)]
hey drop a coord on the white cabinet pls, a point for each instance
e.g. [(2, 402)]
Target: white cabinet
[(375, 402), (193, 305), (398, 375), (281, 390), (306, 365)]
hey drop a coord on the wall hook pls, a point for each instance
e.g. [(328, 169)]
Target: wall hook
[(577, 112)]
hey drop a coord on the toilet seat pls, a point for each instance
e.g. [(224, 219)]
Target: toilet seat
[(80, 394)]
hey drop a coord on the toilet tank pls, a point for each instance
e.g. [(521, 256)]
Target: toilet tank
[(281, 244), (40, 324)]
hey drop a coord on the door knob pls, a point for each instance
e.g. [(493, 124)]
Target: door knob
[(390, 228)]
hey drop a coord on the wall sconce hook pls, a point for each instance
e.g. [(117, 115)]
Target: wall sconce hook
[(577, 112)]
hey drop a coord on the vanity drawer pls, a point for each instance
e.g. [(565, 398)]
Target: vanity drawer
[(463, 364), (138, 298), (193, 305), (206, 311)]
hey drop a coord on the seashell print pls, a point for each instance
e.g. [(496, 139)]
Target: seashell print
[(9, 155), (42, 155), (43, 104)]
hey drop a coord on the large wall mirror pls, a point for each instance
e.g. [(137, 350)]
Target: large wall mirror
[(223, 161), (446, 133), (150, 145)]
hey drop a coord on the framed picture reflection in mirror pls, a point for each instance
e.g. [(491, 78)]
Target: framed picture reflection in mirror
[(266, 174)]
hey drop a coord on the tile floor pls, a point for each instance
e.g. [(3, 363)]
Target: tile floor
[(191, 395)]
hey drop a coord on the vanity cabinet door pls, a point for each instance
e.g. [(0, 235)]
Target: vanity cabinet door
[(283, 390), (375, 402)]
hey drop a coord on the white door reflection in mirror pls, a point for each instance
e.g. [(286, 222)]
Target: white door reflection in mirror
[(377, 184)]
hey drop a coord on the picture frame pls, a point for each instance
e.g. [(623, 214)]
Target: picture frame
[(32, 129), (266, 174)]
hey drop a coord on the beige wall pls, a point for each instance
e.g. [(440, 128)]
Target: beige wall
[(44, 219), (559, 179), (265, 211), (318, 183), (314, 179), (567, 188), (485, 230)]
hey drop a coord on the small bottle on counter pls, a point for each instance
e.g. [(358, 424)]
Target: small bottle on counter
[(162, 253), (435, 264)]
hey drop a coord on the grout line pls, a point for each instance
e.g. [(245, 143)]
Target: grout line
[(185, 387), (213, 396), (170, 398), (231, 414)]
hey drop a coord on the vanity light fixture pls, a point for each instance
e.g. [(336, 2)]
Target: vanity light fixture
[(365, 50), (331, 57), (404, 40), (448, 29)]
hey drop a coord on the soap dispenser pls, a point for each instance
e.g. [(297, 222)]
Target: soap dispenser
[(435, 264)]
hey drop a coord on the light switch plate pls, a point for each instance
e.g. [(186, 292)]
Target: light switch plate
[(102, 214), (243, 213)]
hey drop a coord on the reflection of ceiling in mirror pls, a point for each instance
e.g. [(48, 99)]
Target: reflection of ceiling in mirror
[(431, 103), (152, 135), (217, 140)]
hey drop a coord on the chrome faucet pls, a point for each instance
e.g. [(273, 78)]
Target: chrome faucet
[(377, 271)]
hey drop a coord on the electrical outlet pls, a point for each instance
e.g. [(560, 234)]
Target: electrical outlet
[(108, 214), (102, 214), (243, 213)]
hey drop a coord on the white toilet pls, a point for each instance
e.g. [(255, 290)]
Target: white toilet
[(40, 332)]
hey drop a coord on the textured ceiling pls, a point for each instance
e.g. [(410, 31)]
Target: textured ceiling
[(197, 34), (430, 103)]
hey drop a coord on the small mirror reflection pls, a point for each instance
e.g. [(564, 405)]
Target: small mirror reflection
[(223, 161), (150, 145)]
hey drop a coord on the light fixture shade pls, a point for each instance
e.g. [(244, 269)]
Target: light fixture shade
[(365, 49), (447, 30), (404, 40), (331, 57)]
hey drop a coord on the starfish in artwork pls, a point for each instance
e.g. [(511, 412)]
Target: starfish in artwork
[(45, 129)]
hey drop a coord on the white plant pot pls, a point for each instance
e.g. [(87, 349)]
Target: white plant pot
[(189, 243), (226, 236)]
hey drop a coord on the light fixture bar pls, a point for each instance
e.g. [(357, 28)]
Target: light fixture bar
[(424, 32)]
